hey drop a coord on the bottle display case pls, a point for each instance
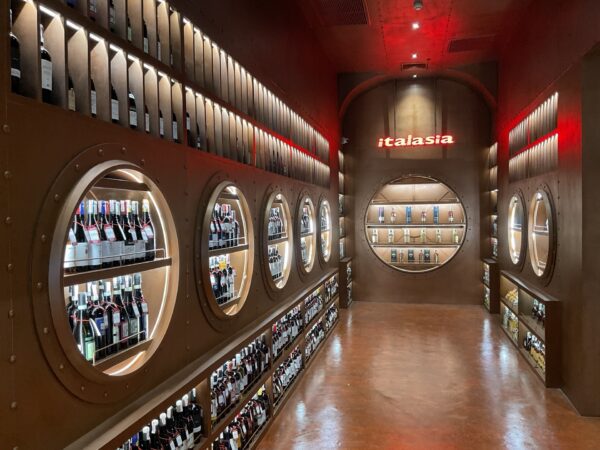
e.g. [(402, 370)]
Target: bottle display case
[(308, 234), (325, 231), (491, 282), (229, 250), (492, 193), (115, 288), (542, 235), (415, 224), (279, 239), (517, 227), (531, 319)]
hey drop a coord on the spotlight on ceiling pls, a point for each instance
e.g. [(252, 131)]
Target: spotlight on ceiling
[(415, 25), (418, 5), (415, 75), (414, 56)]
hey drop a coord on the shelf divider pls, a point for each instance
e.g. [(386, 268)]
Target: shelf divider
[(102, 274)]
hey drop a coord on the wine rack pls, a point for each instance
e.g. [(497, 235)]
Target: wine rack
[(493, 199), (491, 285), (119, 250), (307, 232), (415, 224), (517, 229), (346, 281), (152, 70), (532, 321), (542, 233), (229, 256), (533, 143), (325, 231), (277, 248)]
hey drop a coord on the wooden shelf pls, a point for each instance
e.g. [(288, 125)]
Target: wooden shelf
[(414, 225), (537, 369), (278, 240), (510, 338), (228, 250), (229, 303), (509, 306), (227, 196), (532, 325), (71, 279), (307, 234), (117, 358), (120, 184)]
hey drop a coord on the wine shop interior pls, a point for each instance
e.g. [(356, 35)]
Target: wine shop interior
[(355, 224)]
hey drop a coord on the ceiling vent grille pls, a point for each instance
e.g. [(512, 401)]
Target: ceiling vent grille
[(471, 44), (335, 13)]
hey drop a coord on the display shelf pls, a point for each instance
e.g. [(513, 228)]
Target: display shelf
[(112, 361), (491, 281), (307, 230), (274, 241), (325, 238), (225, 269), (542, 235), (428, 205), (539, 316), (510, 325), (71, 279), (278, 241), (345, 275), (517, 226)]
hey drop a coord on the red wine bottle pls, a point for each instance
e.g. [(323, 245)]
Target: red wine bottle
[(92, 234), (148, 231), (114, 105), (133, 114), (133, 313), (124, 317), (15, 59), (81, 245), (46, 66), (83, 333), (142, 306)]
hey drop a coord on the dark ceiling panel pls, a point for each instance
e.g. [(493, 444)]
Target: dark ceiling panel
[(341, 12)]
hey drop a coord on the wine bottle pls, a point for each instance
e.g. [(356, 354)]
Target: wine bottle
[(114, 105), (113, 320), (436, 214), (158, 47), (188, 129), (98, 314), (83, 333), (148, 230), (112, 16), (128, 232), (145, 35), (390, 236), (393, 215), (438, 235), (105, 241), (72, 306), (81, 245), (381, 214), (129, 29), (436, 257), (174, 128), (140, 235), (142, 306), (92, 234), (146, 119), (69, 261), (15, 58), (133, 313), (71, 96), (374, 236), (133, 114), (117, 299), (92, 9), (118, 244), (161, 124), (408, 212), (423, 236), (423, 216), (93, 107), (46, 66)]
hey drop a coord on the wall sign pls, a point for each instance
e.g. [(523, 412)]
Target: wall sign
[(415, 141)]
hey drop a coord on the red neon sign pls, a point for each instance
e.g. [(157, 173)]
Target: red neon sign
[(412, 141)]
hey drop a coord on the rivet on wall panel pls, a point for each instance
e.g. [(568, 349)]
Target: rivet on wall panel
[(7, 174), (12, 358), (39, 285), (82, 388), (77, 167), (143, 162), (100, 152), (61, 366), (105, 394), (9, 267), (8, 220), (13, 405), (11, 313), (45, 330), (123, 150), (43, 238), (56, 197), (6, 128)]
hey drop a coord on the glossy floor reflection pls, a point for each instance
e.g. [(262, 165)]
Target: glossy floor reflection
[(424, 377)]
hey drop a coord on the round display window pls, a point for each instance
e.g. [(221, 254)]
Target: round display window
[(516, 228), (279, 240), (307, 234), (541, 234), (325, 230), (230, 250), (415, 224)]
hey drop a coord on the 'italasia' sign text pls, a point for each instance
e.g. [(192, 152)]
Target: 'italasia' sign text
[(412, 141)]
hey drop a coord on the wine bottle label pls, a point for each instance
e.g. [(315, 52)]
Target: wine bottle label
[(89, 350), (92, 234), (132, 234), (72, 237), (106, 251), (178, 440), (81, 254), (69, 256), (95, 253), (46, 74), (129, 33), (93, 102), (133, 326), (71, 99), (188, 123), (110, 233), (116, 317), (133, 118), (147, 229), (172, 445), (114, 109), (124, 329), (14, 72), (145, 45)]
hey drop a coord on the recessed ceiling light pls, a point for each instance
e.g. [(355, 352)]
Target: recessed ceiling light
[(414, 56), (415, 25), (415, 75), (418, 5)]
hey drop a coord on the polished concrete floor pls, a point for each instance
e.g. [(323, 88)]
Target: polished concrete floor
[(424, 377)]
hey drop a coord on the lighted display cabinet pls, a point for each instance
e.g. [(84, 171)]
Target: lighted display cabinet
[(278, 243), (542, 236), (415, 224), (325, 231), (112, 296), (517, 229), (531, 319), (307, 232), (228, 254)]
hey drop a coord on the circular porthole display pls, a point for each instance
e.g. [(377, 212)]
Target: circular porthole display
[(113, 295), (279, 240), (325, 230), (307, 234), (541, 233), (230, 250), (415, 224), (516, 228)]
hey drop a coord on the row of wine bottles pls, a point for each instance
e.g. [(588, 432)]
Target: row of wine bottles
[(510, 322), (536, 349), (408, 210), (276, 262), (286, 373), (222, 278), (108, 318), (305, 252), (306, 223), (408, 238), (109, 234), (276, 225), (313, 304), (331, 317), (331, 288), (538, 312), (179, 428), (225, 231), (238, 434), (325, 218), (314, 337), (285, 330), (236, 376), (423, 257)]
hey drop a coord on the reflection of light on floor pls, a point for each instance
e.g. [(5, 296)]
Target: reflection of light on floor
[(335, 351), (301, 412)]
